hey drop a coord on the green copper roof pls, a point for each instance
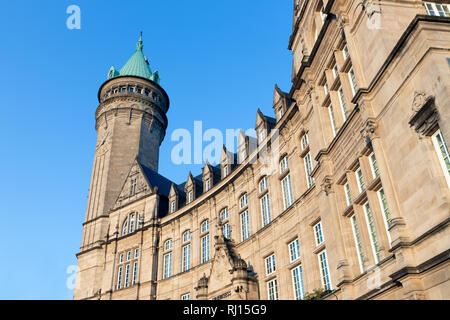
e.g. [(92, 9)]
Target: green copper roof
[(137, 66)]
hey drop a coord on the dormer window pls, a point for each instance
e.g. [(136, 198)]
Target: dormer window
[(190, 196), (173, 206), (225, 171), (280, 113), (262, 134), (207, 184)]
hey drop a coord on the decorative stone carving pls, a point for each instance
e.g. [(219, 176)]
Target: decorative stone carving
[(426, 117), (326, 185), (369, 128), (341, 20)]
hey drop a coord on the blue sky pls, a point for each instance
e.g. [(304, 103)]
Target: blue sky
[(218, 61)]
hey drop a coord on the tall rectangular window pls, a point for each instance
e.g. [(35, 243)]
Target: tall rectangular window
[(318, 234), (332, 119), (374, 165), (358, 244), (245, 225), (297, 282), (324, 270), (443, 154), (205, 248), (308, 169), (265, 209), (348, 195), (186, 258), (352, 77), (270, 264), (342, 103), (294, 250), (437, 9), (345, 52), (226, 230), (286, 188), (335, 70), (360, 180), (272, 289), (372, 232), (119, 277), (127, 276), (135, 271), (386, 213), (172, 206), (167, 265), (325, 88), (190, 196)]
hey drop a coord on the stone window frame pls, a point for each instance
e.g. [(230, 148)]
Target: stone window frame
[(438, 151), (298, 282), (292, 251), (272, 289), (374, 169), (375, 244), (324, 269), (123, 264), (358, 241), (126, 224), (245, 227), (270, 264), (435, 9), (185, 295), (318, 232), (186, 266)]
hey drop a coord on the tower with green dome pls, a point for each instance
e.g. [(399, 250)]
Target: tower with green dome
[(131, 124)]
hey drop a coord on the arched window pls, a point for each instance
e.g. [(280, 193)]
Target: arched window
[(132, 222), (186, 236), (168, 244), (243, 201), (125, 227), (204, 226)]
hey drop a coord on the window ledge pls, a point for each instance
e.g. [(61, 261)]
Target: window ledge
[(375, 184), (319, 248), (348, 211), (361, 198)]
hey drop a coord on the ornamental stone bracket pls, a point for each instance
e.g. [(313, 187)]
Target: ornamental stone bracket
[(369, 129), (326, 185), (426, 117)]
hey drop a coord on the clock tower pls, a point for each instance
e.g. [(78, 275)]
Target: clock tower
[(131, 123)]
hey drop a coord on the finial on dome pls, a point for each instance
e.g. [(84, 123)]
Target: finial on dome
[(140, 44)]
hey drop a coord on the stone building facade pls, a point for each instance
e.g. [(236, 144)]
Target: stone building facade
[(344, 193)]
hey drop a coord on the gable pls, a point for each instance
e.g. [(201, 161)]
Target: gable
[(136, 186)]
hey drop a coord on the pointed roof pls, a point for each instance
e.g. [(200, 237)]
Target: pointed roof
[(137, 65)]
